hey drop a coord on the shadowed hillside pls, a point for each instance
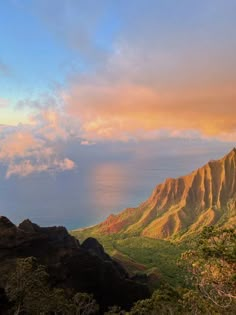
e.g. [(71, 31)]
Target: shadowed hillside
[(78, 267)]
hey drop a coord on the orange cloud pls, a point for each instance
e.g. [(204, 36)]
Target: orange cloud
[(24, 168), (26, 151), (120, 111), (27, 167), (19, 143)]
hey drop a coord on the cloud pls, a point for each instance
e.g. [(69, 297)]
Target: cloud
[(24, 168), (169, 71), (120, 111), (86, 142), (27, 167), (50, 124), (19, 144), (26, 149), (48, 117), (160, 78)]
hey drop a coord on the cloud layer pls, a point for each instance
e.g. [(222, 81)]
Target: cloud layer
[(174, 75), (27, 149), (121, 110), (160, 70)]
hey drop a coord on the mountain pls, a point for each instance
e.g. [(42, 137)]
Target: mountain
[(181, 206), (81, 267)]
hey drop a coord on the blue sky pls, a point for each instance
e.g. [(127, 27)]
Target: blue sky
[(41, 39), (29, 52)]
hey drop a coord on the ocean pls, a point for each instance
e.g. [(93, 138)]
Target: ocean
[(97, 188)]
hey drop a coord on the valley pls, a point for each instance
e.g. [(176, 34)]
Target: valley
[(158, 259), (150, 239)]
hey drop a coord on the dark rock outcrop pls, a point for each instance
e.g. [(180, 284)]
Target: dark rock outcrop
[(84, 268), (95, 248)]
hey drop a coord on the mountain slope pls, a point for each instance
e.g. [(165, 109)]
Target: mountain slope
[(181, 206)]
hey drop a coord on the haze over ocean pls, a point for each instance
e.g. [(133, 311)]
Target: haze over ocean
[(102, 184)]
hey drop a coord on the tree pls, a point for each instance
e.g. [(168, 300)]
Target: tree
[(212, 265), (115, 310), (193, 302), (85, 304), (60, 303), (29, 292), (27, 287), (164, 301), (143, 307)]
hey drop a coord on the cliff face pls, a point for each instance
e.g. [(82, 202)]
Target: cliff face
[(183, 205), (84, 268)]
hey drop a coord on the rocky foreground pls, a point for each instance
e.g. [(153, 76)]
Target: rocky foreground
[(81, 267)]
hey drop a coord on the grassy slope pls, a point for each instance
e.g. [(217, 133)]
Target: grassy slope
[(142, 255)]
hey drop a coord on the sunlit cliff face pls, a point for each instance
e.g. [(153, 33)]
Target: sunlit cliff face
[(204, 197)]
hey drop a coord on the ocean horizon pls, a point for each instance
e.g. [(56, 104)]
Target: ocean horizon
[(94, 191)]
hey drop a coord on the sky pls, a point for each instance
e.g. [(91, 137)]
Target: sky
[(85, 84)]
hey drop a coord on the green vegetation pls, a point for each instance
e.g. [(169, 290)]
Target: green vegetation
[(209, 266), (157, 258), (211, 269), (212, 266), (29, 293), (208, 262), (168, 301)]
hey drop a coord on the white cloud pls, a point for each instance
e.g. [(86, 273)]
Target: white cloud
[(27, 167), (27, 149)]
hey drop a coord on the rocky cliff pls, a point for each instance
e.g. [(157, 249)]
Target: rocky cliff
[(181, 206)]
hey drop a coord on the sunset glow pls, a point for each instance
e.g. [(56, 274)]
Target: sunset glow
[(91, 84)]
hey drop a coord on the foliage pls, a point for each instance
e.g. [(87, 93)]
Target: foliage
[(208, 261), (27, 287), (212, 266), (115, 310), (143, 307), (194, 303), (85, 304), (163, 301), (30, 294), (169, 301)]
